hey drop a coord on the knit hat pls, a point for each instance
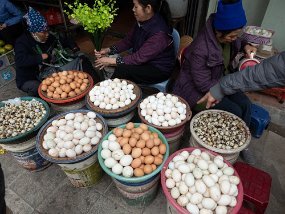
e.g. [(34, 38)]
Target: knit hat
[(229, 16), (35, 21)]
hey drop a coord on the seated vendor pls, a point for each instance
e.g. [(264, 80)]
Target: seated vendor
[(35, 49)]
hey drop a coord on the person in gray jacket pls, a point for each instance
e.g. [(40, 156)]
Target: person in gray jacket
[(268, 74)]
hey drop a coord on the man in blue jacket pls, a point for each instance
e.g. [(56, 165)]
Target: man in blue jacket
[(10, 22)]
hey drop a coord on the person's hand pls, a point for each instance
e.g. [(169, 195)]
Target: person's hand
[(249, 49), (3, 26), (44, 56), (103, 52), (211, 101), (104, 62)]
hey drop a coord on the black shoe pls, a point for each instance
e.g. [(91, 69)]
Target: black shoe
[(248, 156)]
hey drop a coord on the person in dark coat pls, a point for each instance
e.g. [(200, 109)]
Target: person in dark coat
[(2, 192), (152, 59), (210, 56), (10, 22), (34, 48)]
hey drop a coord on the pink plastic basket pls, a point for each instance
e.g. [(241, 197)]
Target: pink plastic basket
[(172, 201), (256, 39)]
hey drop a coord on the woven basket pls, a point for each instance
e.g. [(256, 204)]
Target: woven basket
[(44, 153), (43, 95), (169, 128), (257, 39), (120, 111)]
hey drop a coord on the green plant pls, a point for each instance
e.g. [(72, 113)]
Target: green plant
[(96, 19)]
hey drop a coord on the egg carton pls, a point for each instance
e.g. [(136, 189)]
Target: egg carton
[(257, 35)]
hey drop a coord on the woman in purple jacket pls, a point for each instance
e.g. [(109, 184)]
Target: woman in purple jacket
[(152, 59), (210, 55)]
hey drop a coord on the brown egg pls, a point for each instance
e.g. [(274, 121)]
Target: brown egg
[(142, 159), (140, 144), (63, 77), (127, 133), (68, 80), (75, 73), (69, 72), (157, 161), (44, 87), (118, 132), (62, 81), (157, 141), (55, 96), (144, 126), (48, 82), (51, 79), (64, 73), (145, 136), (49, 94), (155, 151), (71, 94), (83, 87), (136, 163), (63, 95), (138, 172), (73, 85), (155, 135), (44, 82), (130, 126), (136, 152), (148, 159), (85, 75), (147, 169), (86, 81), (57, 78), (77, 85), (135, 135), (139, 130), (55, 84), (54, 75), (162, 149), (127, 149), (67, 88), (70, 76), (160, 156), (141, 166), (132, 141), (81, 76), (77, 91), (123, 141), (149, 144), (58, 90), (79, 81), (146, 151), (51, 88), (153, 167)]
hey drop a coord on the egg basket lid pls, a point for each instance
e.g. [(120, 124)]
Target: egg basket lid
[(66, 160), (44, 96), (169, 128), (19, 138), (239, 197), (134, 179), (221, 151), (120, 111)]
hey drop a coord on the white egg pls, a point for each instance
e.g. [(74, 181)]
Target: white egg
[(105, 144), (90, 134), (225, 200), (117, 154), (117, 169), (112, 137), (221, 210), (176, 175), (70, 116), (170, 183), (209, 203), (233, 189), (189, 179), (78, 134), (192, 208), (50, 144), (68, 144), (215, 193), (95, 140), (183, 188), (128, 171), (106, 153), (70, 153), (208, 181), (54, 123), (126, 160), (228, 171), (113, 146), (68, 137), (202, 164), (62, 153), (53, 152), (83, 141), (175, 192), (234, 180), (196, 152), (52, 129), (91, 115), (184, 168), (49, 136), (78, 149), (75, 141), (61, 122), (45, 145), (77, 125), (182, 200), (219, 162), (200, 186), (196, 198), (87, 148), (225, 187), (110, 162)]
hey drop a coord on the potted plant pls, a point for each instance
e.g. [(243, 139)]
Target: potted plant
[(95, 20)]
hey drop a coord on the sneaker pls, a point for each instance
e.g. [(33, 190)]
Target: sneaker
[(248, 156)]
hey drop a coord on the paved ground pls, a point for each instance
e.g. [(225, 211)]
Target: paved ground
[(50, 191)]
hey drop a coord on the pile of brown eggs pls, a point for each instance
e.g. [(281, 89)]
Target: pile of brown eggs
[(65, 84)]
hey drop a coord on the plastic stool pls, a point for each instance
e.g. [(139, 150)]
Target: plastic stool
[(259, 120), (256, 185)]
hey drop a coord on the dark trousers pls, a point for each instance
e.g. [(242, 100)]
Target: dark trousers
[(11, 33), (141, 74), (31, 87), (238, 104), (2, 192)]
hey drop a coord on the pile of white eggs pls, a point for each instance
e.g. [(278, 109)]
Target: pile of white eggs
[(72, 135), (163, 110), (114, 157), (112, 94), (201, 183)]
